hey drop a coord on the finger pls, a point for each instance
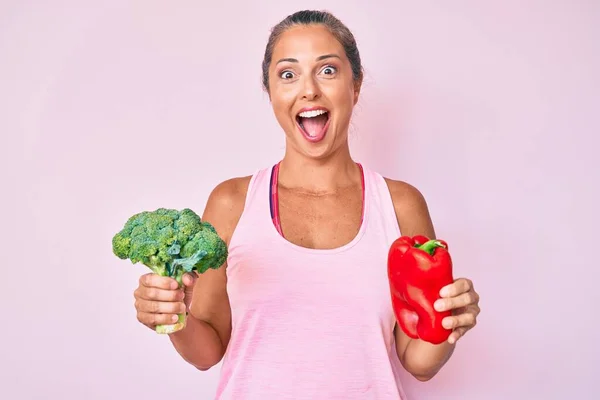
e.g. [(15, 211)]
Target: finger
[(474, 309), (461, 285), (189, 280), (151, 319), (159, 307), (463, 320), (452, 303), (457, 334), (154, 294), (157, 281)]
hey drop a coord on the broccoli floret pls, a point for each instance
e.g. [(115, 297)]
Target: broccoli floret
[(170, 243), (206, 245)]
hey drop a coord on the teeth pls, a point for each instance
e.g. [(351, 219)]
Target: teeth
[(311, 114)]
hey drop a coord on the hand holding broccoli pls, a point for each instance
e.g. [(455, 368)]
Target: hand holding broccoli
[(160, 301), (171, 243)]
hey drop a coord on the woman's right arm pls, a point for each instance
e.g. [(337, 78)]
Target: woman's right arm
[(203, 341)]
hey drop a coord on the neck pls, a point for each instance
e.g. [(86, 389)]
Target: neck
[(323, 175)]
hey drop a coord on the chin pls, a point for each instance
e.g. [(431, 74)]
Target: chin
[(316, 150)]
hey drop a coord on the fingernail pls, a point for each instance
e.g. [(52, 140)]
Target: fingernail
[(174, 318), (447, 323), (438, 305), (444, 292)]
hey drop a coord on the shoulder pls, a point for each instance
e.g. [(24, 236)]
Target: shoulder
[(225, 205), (229, 194), (403, 192), (411, 208)]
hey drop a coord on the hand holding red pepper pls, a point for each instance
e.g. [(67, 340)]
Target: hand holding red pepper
[(429, 304), (461, 299)]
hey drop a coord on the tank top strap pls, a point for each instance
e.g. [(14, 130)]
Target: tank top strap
[(256, 208), (379, 201)]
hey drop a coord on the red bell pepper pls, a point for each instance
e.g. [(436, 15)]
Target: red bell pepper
[(417, 269)]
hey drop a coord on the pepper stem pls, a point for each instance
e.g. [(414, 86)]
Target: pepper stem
[(430, 246)]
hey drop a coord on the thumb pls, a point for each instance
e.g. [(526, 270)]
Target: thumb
[(189, 280)]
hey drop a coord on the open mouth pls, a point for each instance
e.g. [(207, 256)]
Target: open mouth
[(313, 123)]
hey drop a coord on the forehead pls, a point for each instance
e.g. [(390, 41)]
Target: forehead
[(306, 41)]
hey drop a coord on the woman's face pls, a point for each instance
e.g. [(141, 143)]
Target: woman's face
[(312, 90)]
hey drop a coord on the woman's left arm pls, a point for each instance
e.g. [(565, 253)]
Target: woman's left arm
[(422, 359)]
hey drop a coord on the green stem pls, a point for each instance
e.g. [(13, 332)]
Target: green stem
[(430, 246), (166, 329), (179, 276)]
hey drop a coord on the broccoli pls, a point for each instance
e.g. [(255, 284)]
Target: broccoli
[(170, 243)]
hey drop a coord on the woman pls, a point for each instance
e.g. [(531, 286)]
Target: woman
[(302, 307)]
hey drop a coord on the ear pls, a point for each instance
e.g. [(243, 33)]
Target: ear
[(357, 87)]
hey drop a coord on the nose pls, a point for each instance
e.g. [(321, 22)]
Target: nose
[(310, 89)]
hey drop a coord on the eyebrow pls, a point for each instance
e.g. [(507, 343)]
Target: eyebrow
[(320, 58)]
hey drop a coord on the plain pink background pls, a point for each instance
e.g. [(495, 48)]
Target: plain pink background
[(490, 108)]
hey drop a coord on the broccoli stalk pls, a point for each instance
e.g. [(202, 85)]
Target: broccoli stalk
[(170, 243)]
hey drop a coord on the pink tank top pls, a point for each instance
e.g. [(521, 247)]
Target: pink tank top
[(311, 324)]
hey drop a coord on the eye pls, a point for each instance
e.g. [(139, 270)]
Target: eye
[(329, 70), (286, 75)]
